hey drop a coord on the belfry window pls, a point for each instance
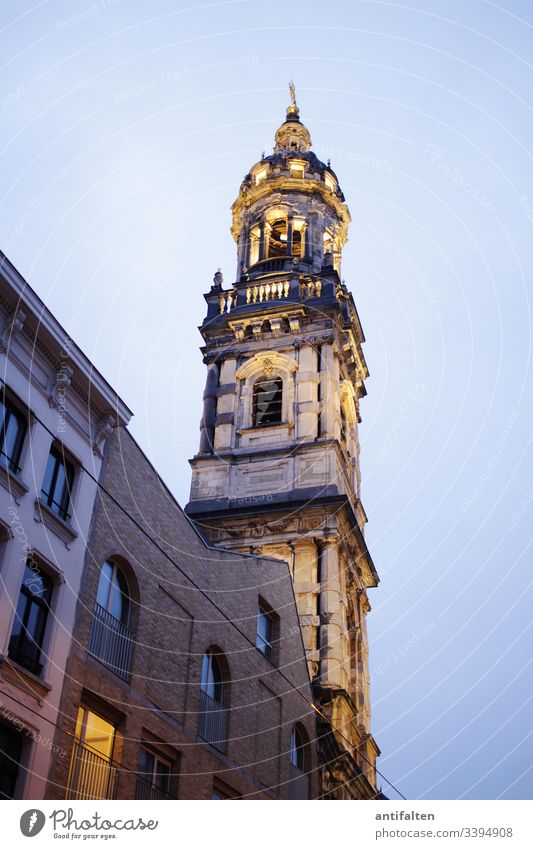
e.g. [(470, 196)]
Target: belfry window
[(297, 243), (277, 241), (267, 401)]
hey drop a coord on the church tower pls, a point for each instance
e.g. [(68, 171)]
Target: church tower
[(277, 472)]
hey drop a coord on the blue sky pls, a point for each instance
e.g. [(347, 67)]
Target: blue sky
[(126, 130)]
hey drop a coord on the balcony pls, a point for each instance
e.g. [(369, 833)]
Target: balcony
[(212, 722), (90, 775), (146, 790), (111, 642)]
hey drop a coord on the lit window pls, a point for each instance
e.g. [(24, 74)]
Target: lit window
[(12, 432), (297, 171), (267, 402), (57, 484), (92, 773), (264, 633), (153, 781), (27, 636), (277, 240)]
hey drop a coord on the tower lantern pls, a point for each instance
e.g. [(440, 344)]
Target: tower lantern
[(277, 471)]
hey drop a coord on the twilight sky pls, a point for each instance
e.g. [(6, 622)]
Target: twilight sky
[(127, 128)]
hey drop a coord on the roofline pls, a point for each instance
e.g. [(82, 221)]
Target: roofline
[(28, 296)]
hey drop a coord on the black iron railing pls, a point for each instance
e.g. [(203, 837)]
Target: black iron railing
[(111, 642), (144, 789), (90, 775), (212, 722)]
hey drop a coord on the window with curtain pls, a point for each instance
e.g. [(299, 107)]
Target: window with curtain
[(56, 490), (12, 432), (29, 627)]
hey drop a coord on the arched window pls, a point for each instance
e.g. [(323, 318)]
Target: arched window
[(113, 595), (297, 759), (111, 637), (277, 241), (297, 243), (212, 717), (212, 683), (296, 754), (267, 402)]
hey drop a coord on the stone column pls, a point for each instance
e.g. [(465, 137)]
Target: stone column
[(226, 405), (207, 424), (289, 235), (331, 669), (329, 388), (262, 240), (307, 383)]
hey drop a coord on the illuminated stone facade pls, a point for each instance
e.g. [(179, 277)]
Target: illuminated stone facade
[(277, 472)]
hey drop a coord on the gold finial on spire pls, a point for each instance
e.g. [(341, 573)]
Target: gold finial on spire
[(292, 93)]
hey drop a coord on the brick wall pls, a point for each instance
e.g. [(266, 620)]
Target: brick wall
[(174, 623)]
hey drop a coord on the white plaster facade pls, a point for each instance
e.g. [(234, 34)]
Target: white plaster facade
[(64, 402)]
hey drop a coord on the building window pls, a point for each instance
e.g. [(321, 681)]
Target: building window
[(277, 239), (92, 773), (299, 786), (13, 430), (10, 752), (267, 402), (25, 645), (153, 780), (221, 790), (212, 718), (111, 637), (265, 632), (57, 484), (261, 175)]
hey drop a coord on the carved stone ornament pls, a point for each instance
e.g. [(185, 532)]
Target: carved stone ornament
[(268, 367), (13, 326), (103, 431), (63, 378)]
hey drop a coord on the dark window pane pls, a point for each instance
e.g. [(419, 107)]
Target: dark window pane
[(10, 750), (13, 429), (267, 402), (49, 474)]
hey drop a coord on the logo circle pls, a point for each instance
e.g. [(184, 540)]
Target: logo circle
[(32, 822)]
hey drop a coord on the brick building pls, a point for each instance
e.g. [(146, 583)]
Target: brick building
[(187, 678)]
